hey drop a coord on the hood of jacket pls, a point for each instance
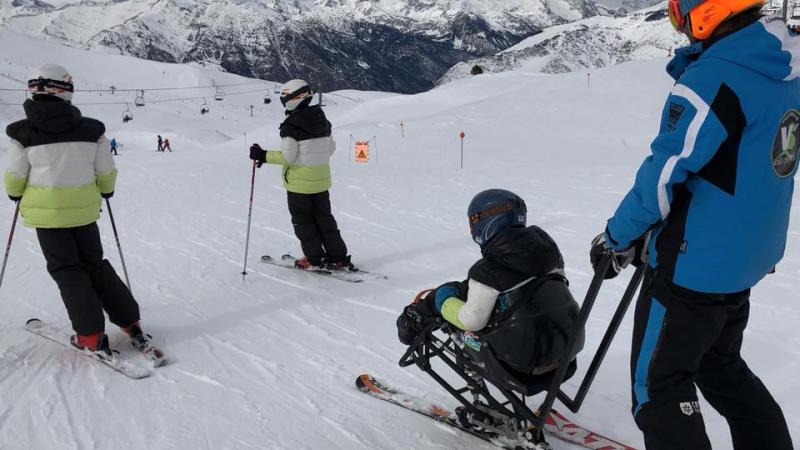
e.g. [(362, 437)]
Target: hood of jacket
[(52, 116), (766, 47), (529, 250), (515, 255), (306, 123)]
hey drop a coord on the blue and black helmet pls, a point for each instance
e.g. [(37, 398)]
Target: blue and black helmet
[(494, 210)]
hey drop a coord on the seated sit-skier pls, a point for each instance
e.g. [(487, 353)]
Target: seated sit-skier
[(514, 314)]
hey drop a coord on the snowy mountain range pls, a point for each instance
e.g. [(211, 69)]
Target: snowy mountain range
[(390, 45), (269, 363), (590, 43)]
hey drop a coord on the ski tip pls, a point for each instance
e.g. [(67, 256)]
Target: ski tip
[(31, 321)]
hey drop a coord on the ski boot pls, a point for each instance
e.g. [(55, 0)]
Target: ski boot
[(343, 264), (141, 342), (95, 344), (305, 264)]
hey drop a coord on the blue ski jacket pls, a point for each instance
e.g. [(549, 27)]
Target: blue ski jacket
[(716, 191)]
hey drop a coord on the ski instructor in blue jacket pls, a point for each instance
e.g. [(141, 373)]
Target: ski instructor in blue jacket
[(714, 198)]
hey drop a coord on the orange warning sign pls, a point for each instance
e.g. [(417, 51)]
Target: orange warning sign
[(362, 151)]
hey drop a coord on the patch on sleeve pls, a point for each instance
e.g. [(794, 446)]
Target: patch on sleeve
[(675, 112), (786, 146)]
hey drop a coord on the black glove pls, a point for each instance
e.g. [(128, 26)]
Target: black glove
[(15, 198), (109, 195), (258, 154), (417, 317), (619, 259)]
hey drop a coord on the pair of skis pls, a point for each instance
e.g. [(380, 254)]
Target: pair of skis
[(556, 425), (348, 275), (153, 354)]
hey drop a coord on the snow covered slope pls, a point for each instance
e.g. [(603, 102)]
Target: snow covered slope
[(269, 363), (401, 46), (590, 43)]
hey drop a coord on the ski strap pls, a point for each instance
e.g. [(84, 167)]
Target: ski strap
[(538, 282)]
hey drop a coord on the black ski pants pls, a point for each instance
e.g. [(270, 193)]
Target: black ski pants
[(316, 227), (683, 339), (88, 283)]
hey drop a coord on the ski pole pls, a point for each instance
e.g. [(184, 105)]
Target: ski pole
[(119, 247), (249, 218), (8, 245)]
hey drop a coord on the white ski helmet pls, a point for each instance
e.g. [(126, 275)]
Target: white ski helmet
[(51, 79), (295, 92)]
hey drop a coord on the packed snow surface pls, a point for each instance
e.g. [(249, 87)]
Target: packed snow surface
[(269, 363)]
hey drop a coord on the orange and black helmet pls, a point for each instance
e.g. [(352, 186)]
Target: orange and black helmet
[(705, 16)]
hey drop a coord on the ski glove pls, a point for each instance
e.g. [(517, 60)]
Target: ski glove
[(619, 259), (107, 195), (15, 198), (258, 154), (636, 254), (416, 318)]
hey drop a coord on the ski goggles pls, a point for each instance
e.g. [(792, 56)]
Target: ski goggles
[(675, 17), (304, 91), (48, 86), (499, 209)]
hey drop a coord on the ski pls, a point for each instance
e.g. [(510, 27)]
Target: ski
[(557, 425), (350, 276), (375, 388), (62, 337)]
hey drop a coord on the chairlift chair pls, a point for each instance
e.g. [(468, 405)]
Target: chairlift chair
[(127, 115), (267, 100), (204, 107), (139, 98)]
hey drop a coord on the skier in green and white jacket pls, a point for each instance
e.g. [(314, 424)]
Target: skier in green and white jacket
[(305, 153)]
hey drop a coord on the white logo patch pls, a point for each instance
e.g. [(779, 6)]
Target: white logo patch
[(689, 408)]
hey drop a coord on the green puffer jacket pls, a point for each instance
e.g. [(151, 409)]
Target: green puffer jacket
[(305, 153), (59, 163)]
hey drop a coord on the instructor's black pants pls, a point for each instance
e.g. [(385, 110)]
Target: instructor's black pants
[(88, 283), (683, 339), (316, 227)]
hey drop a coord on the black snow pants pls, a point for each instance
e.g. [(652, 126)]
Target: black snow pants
[(683, 339), (316, 227), (88, 283)]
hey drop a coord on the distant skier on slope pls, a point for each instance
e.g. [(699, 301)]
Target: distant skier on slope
[(58, 169), (305, 153), (114, 146), (166, 145), (510, 322), (716, 195), (160, 144)]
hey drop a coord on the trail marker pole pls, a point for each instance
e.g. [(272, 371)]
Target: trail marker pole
[(461, 135)]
